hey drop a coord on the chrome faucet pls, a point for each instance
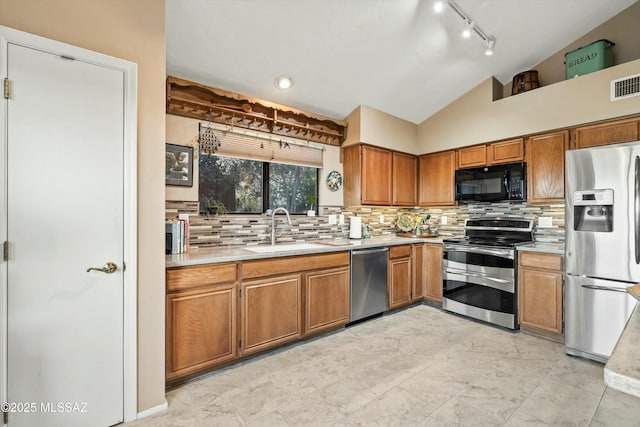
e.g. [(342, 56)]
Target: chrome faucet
[(273, 222)]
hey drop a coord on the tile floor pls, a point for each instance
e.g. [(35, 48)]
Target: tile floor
[(417, 367)]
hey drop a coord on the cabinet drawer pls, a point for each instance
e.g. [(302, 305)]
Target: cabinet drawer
[(541, 261), (192, 277), (399, 251)]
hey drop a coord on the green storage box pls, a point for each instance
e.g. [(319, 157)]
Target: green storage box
[(589, 58)]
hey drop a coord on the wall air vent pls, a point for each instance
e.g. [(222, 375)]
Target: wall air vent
[(625, 87)]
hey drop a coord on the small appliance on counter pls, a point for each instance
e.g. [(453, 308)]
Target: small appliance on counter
[(355, 227)]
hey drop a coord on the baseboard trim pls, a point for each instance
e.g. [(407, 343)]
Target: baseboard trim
[(152, 411)]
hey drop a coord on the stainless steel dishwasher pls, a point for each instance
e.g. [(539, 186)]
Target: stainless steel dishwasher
[(368, 282)]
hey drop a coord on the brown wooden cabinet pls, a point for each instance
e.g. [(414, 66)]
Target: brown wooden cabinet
[(436, 179), (405, 167), (400, 274), (540, 288), (495, 153), (271, 312), (367, 175), (510, 151), (612, 132), (326, 299), (434, 272), (200, 318), (272, 307), (418, 263), (545, 167), (471, 157)]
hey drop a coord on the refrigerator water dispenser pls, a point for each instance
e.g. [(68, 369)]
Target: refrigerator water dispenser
[(593, 210)]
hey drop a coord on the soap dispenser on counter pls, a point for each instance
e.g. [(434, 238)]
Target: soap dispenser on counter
[(366, 231)]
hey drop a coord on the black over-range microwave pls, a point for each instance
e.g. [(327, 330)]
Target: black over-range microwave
[(492, 183)]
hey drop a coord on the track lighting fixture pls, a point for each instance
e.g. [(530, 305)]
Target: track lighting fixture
[(489, 46), (470, 25)]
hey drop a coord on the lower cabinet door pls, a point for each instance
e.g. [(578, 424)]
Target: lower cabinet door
[(399, 288), (271, 312), (434, 272), (327, 299), (201, 329), (541, 299), (419, 282)]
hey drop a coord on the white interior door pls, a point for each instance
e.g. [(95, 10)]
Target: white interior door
[(65, 214)]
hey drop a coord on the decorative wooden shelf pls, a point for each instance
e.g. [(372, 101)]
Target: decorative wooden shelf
[(189, 99)]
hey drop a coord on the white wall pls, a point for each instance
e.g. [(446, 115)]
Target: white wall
[(370, 126), (183, 131), (330, 161), (476, 118)]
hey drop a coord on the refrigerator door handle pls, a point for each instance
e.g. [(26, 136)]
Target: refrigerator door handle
[(636, 213), (605, 288)]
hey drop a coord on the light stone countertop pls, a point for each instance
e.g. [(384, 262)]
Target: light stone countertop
[(240, 253), (552, 248), (622, 371)]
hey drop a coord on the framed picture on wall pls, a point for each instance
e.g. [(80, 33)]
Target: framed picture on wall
[(179, 165)]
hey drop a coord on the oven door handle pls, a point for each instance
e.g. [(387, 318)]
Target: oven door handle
[(483, 276), (481, 250)]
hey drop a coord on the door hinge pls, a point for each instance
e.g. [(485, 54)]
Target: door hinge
[(240, 293), (7, 88), (240, 343), (5, 250)]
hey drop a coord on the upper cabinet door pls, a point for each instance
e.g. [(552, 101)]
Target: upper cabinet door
[(376, 175), (606, 133), (545, 166), (510, 151), (404, 179), (436, 181), (474, 156)]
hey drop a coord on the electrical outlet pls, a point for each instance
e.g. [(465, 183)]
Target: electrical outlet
[(333, 219), (341, 219), (381, 219), (444, 220), (545, 221)]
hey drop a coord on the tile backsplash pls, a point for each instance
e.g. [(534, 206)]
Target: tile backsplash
[(238, 229)]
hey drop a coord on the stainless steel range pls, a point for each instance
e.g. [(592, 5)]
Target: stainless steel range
[(480, 271)]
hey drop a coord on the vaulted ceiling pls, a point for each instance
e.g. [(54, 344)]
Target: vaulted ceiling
[(397, 56)]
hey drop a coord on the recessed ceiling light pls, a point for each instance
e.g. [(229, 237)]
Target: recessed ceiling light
[(438, 6), (283, 82)]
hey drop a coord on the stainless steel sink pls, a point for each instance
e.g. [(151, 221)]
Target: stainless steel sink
[(265, 249)]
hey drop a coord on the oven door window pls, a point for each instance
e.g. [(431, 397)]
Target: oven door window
[(468, 291), (480, 277)]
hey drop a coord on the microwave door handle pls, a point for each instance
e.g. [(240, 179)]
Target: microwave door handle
[(505, 180), (636, 214)]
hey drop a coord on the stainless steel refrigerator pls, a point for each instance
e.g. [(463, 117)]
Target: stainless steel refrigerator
[(602, 252)]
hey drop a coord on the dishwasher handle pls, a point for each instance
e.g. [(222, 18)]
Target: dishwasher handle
[(368, 251)]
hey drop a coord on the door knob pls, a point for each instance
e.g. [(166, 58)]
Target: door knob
[(108, 268)]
